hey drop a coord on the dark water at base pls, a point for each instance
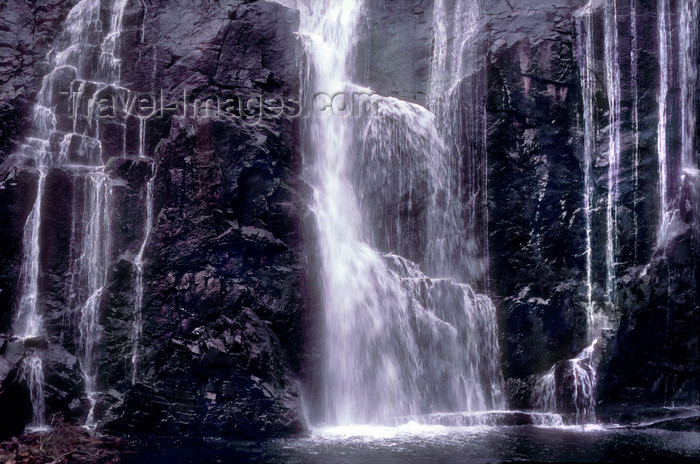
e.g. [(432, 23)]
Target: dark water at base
[(433, 444)]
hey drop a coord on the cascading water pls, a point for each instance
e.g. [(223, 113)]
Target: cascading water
[(635, 119), (689, 185), (583, 368), (587, 65), (589, 142), (457, 239), (612, 84), (73, 146), (91, 269), (553, 392), (661, 142), (688, 39), (544, 393), (139, 263), (346, 260), (404, 339), (28, 320), (569, 386), (402, 161), (139, 260), (679, 180), (397, 343)]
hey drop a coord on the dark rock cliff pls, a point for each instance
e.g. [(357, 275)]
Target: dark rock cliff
[(536, 225), (222, 337), (26, 34), (652, 359)]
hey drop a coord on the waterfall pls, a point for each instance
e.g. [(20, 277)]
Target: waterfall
[(584, 372), (78, 151), (586, 65), (662, 148), (688, 56), (612, 84), (690, 173), (545, 392), (91, 269), (569, 385), (33, 374), (635, 120), (356, 283), (139, 263), (678, 163), (402, 162), (457, 239), (397, 343), (28, 320)]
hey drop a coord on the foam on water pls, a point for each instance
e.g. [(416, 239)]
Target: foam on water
[(372, 433)]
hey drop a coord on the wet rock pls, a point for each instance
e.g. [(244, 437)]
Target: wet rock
[(224, 291), (652, 359), (15, 402), (17, 194), (519, 391), (394, 49), (27, 31), (535, 191), (61, 444)]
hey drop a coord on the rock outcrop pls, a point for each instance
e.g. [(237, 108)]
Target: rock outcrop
[(222, 335), (221, 347), (536, 223)]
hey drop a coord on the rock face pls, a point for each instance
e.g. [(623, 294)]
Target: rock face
[(26, 33), (15, 401), (221, 346), (394, 50), (221, 341), (653, 357), (535, 184)]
